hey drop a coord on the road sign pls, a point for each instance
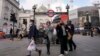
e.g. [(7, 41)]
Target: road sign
[(50, 13)]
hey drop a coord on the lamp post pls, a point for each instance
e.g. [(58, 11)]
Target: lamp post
[(68, 7), (87, 16), (99, 14), (34, 8), (98, 6)]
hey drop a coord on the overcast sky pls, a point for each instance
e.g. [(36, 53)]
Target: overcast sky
[(27, 4)]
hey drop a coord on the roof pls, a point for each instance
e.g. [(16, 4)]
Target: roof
[(87, 8), (42, 8), (44, 13)]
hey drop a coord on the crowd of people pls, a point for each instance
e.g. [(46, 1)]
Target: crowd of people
[(92, 31), (10, 33), (60, 34)]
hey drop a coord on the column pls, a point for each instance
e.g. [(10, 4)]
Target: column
[(99, 16)]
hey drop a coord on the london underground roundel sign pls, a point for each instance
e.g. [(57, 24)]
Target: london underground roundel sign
[(50, 13)]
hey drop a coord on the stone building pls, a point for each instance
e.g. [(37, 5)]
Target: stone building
[(6, 8), (79, 16), (27, 15), (41, 16)]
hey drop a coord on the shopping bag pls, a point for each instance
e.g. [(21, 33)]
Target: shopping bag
[(32, 46), (54, 32)]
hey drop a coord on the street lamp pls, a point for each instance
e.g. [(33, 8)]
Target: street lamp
[(68, 7), (34, 8), (87, 16), (98, 6)]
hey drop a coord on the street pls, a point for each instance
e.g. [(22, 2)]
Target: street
[(47, 19), (86, 46)]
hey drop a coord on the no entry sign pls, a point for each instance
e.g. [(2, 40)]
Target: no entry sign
[(50, 13)]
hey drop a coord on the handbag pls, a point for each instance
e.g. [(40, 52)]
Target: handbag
[(32, 46)]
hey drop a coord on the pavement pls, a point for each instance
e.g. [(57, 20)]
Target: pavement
[(86, 46)]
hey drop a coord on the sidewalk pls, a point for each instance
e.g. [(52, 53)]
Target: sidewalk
[(86, 46)]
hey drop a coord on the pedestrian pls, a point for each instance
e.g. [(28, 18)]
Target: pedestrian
[(11, 34), (47, 42), (33, 35), (48, 36), (17, 31), (71, 28), (98, 30), (20, 34), (41, 35), (95, 31), (92, 29), (62, 36), (49, 30)]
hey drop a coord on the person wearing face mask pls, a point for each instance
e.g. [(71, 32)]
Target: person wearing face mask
[(62, 35)]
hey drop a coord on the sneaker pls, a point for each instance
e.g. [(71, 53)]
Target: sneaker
[(48, 53), (75, 47), (40, 52), (61, 55), (66, 52)]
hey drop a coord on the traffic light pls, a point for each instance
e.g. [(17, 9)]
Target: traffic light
[(13, 18)]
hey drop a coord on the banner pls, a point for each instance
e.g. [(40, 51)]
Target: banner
[(64, 17)]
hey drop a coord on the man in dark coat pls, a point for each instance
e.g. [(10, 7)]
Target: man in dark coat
[(71, 30), (33, 32), (62, 35)]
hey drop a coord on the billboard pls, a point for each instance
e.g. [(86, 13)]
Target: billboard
[(64, 17), (73, 14)]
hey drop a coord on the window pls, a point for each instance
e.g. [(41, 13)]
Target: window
[(24, 21), (6, 8)]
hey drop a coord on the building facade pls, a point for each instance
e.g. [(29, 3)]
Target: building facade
[(6, 8), (98, 6), (27, 15), (79, 16), (41, 17)]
